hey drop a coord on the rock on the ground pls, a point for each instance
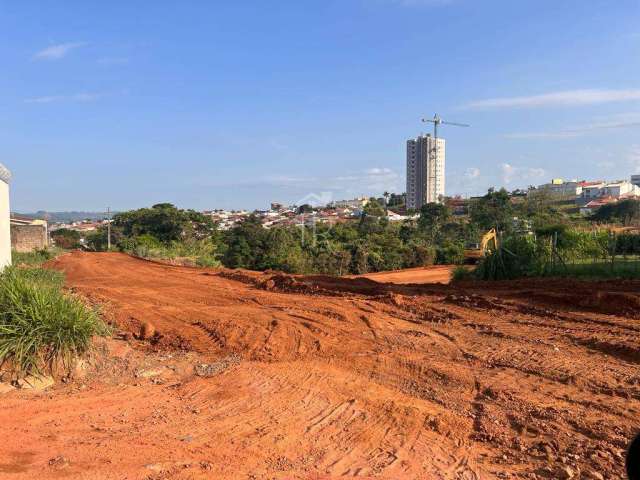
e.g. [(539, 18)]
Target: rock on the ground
[(150, 373), (6, 388), (566, 473), (593, 475), (59, 462), (35, 382), (212, 369), (147, 331)]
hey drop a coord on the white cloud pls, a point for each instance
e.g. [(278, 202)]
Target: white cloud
[(471, 173), (85, 97), (555, 99), (508, 172), (373, 179), (46, 99), (622, 120), (78, 97), (56, 52), (370, 181), (520, 174)]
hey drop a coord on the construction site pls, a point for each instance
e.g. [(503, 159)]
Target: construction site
[(233, 374)]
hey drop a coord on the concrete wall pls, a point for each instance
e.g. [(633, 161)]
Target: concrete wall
[(27, 238), (5, 237)]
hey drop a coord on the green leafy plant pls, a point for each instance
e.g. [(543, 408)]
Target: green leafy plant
[(39, 324)]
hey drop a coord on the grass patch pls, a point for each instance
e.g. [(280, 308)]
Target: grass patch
[(33, 258), (40, 325), (628, 269)]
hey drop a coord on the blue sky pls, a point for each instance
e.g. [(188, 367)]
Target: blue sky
[(235, 104)]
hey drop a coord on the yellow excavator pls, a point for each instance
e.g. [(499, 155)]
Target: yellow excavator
[(488, 243)]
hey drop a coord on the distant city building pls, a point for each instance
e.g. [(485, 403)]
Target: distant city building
[(559, 188), (356, 203), (425, 171), (635, 179), (617, 190)]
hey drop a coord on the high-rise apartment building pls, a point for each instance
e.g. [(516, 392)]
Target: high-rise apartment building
[(425, 171)]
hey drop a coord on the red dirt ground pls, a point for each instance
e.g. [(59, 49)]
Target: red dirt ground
[(435, 274), (326, 377)]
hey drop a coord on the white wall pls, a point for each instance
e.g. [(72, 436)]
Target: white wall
[(5, 232)]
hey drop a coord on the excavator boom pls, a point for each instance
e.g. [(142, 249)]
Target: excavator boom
[(488, 243)]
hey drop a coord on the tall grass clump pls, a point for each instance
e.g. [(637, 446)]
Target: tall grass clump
[(33, 258), (40, 325)]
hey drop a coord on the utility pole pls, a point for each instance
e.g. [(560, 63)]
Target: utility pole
[(108, 229)]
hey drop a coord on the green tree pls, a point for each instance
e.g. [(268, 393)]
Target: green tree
[(245, 244), (374, 208), (305, 208), (494, 210), (165, 222), (626, 212), (66, 238), (283, 251), (432, 217), (97, 240)]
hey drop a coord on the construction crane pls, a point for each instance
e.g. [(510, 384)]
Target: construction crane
[(436, 120)]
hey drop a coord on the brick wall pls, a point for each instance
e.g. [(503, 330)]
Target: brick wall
[(26, 238)]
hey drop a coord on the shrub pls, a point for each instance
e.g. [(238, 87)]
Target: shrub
[(40, 325), (461, 273), (516, 257), (201, 252), (66, 238), (450, 253)]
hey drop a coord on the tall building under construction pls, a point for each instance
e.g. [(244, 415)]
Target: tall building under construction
[(425, 171)]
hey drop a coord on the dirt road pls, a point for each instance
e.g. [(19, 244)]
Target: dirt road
[(335, 378), (434, 274)]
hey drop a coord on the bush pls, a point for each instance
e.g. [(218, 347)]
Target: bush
[(516, 257), (461, 273), (450, 253), (39, 325), (625, 211), (66, 238), (202, 253)]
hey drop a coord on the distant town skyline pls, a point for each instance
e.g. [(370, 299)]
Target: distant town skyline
[(126, 105)]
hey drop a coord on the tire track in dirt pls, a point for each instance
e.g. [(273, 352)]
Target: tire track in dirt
[(348, 377)]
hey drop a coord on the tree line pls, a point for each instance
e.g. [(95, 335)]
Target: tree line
[(368, 244)]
